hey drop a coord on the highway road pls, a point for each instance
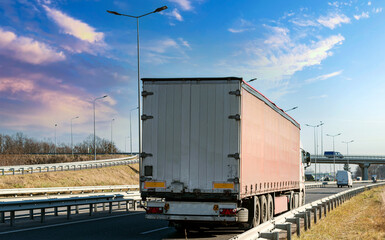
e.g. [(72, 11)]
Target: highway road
[(123, 225)]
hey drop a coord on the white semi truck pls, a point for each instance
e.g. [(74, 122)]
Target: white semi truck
[(216, 151)]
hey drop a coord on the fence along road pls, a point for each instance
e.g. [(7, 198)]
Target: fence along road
[(68, 166)]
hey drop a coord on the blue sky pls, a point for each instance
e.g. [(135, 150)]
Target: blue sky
[(326, 57)]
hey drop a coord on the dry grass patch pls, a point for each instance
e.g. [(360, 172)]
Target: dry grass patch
[(362, 217), (119, 175)]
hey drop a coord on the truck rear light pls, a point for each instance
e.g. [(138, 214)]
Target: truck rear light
[(154, 210), (228, 211)]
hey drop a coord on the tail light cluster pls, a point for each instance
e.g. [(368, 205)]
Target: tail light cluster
[(228, 211), (154, 210)]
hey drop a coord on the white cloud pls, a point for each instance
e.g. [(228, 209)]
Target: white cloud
[(278, 57), (324, 77), (174, 13), (304, 22), (242, 25), (184, 43), (369, 3), (377, 10), (184, 4), (74, 27), (362, 15), (28, 50), (333, 20)]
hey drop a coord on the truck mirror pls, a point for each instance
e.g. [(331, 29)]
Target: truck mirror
[(306, 158)]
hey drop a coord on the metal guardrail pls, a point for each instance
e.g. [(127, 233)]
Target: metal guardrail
[(324, 184), (316, 210), (94, 201), (68, 166), (59, 190)]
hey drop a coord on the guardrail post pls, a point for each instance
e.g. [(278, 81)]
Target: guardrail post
[(104, 207), (308, 214), (42, 215), (13, 171), (96, 207), (314, 209), (127, 206), (286, 227), (12, 218), (56, 211), (320, 210), (31, 169), (54, 168), (68, 212), (119, 205), (91, 209), (2, 172), (297, 222), (22, 171), (2, 217), (39, 169), (135, 205), (110, 208), (77, 209), (324, 206), (270, 235)]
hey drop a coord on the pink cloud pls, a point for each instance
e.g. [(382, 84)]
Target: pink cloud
[(27, 49), (48, 101)]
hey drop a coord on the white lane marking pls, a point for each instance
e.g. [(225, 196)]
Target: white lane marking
[(68, 223), (155, 230)]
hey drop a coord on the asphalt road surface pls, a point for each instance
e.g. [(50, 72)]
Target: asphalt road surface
[(123, 225)]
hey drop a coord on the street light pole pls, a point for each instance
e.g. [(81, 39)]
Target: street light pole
[(94, 124), (111, 132), (334, 154), (291, 109), (347, 153), (130, 129), (55, 136), (137, 39), (315, 150), (72, 147)]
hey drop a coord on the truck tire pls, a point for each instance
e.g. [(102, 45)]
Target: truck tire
[(255, 218), (270, 207), (264, 213)]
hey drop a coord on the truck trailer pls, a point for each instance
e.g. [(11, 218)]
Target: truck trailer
[(215, 151)]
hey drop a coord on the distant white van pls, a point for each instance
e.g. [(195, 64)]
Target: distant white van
[(344, 178)]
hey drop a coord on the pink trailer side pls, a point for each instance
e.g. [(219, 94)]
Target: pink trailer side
[(269, 147)]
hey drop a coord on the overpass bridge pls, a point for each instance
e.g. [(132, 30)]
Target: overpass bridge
[(363, 161)]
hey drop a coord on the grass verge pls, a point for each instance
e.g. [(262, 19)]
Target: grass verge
[(362, 217), (119, 175)]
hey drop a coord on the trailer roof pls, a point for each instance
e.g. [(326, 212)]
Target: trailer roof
[(193, 79), (252, 90)]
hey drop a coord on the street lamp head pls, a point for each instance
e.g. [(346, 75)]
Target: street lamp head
[(160, 9), (55, 125), (105, 96), (253, 79), (113, 12)]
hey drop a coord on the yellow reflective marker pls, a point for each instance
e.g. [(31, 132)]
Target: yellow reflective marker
[(223, 186), (154, 184)]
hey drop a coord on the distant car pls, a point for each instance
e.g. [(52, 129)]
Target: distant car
[(374, 178), (331, 154), (344, 178)]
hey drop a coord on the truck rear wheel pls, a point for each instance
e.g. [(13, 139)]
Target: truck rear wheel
[(270, 207), (254, 212), (264, 211)]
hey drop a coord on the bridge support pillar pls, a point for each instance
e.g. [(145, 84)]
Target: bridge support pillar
[(364, 169)]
